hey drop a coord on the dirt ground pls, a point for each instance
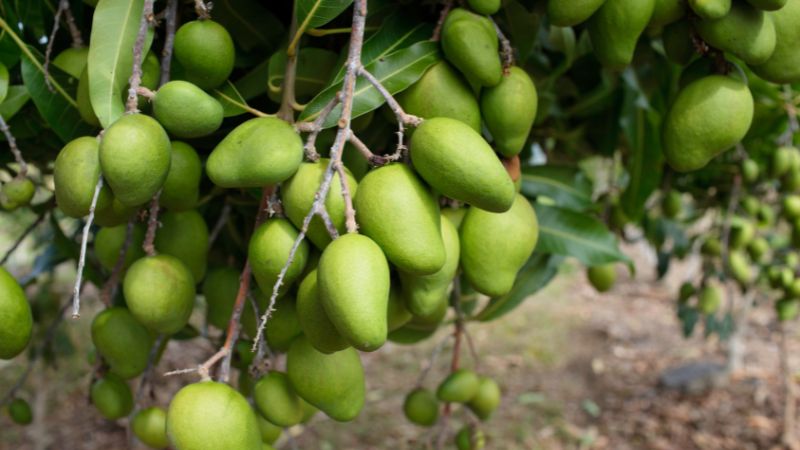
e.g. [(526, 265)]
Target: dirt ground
[(578, 370)]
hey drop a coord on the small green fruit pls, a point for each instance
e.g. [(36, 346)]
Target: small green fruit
[(710, 9), (269, 431), (122, 341), (568, 13), (509, 110), (470, 43), (784, 65), (421, 407), (276, 400), (710, 299), (184, 235), (269, 251), (20, 412), (740, 267), (72, 60), (314, 321), (485, 7), (671, 204), (615, 29), (602, 277), (442, 92), (205, 51), (460, 386), (159, 291), (283, 325), (470, 438), (750, 171), (667, 12), (18, 192), (150, 426), (76, 171), (746, 32), (16, 320), (787, 309), (186, 111), (741, 233), (487, 399), (112, 397)]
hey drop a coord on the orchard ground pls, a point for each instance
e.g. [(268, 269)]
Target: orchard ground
[(579, 370)]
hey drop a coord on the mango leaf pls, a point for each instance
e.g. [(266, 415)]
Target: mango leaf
[(232, 102), (3, 82), (314, 68), (396, 72), (15, 100), (114, 29), (254, 82), (316, 13), (9, 51), (565, 185), (250, 23), (537, 273), (570, 233), (523, 26)]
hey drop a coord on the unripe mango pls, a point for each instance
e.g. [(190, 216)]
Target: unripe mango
[(135, 157), (150, 426), (112, 397), (260, 152), (277, 401), (456, 161), (485, 7), (667, 12), (186, 111), (159, 291), (20, 411), (16, 320), (421, 407), (568, 13), (211, 416), (460, 386), (269, 431), (205, 51), (509, 110), (710, 9), (740, 267), (283, 325), (487, 399), (470, 43), (297, 195), (783, 66), (269, 251), (470, 438), (708, 117), (220, 289), (184, 235), (747, 32), (495, 246), (353, 282), (122, 341), (110, 211), (182, 186), (602, 277), (108, 243), (615, 29), (333, 383), (397, 315), (710, 299), (317, 327), (76, 171)]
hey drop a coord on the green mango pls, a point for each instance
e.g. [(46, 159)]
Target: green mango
[(495, 246), (768, 5), (122, 341), (16, 321), (112, 397), (793, 289), (460, 386), (353, 283), (72, 60), (750, 171), (509, 110), (442, 92), (783, 66), (710, 299), (485, 7), (184, 235), (791, 181), (678, 46), (397, 315), (182, 187), (314, 321), (747, 32), (186, 111), (708, 117), (205, 51), (260, 152), (456, 161), (212, 416), (397, 211), (424, 294), (333, 383), (782, 161), (740, 267), (671, 204), (758, 249), (20, 411), (17, 193), (487, 399), (742, 232), (667, 12), (470, 438), (421, 407), (470, 43), (750, 205), (615, 29), (568, 13), (135, 158), (108, 243), (710, 9), (269, 251), (297, 196), (276, 400), (159, 291), (150, 426), (75, 174), (602, 277), (787, 309), (765, 217), (791, 206), (220, 289), (283, 325), (269, 431)]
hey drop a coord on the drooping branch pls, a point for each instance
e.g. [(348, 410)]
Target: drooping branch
[(315, 127), (373, 159), (169, 40), (147, 21), (76, 291), (12, 145)]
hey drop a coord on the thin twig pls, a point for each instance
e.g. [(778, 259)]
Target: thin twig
[(326, 219), (63, 5), (169, 40), (110, 286), (202, 9), (24, 234), (224, 215), (315, 127), (74, 31), (76, 292), (12, 145), (259, 365), (506, 51), (403, 118), (148, 20), (152, 226), (432, 360), (437, 32), (349, 211), (373, 159)]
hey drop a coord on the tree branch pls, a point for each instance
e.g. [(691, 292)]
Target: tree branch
[(169, 40), (76, 292), (437, 32), (152, 226), (506, 51), (12, 145), (148, 20), (403, 118), (62, 6)]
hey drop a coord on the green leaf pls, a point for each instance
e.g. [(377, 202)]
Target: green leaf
[(254, 82), (314, 68), (537, 273), (114, 29), (565, 185), (396, 72), (17, 98), (316, 13), (232, 102), (570, 233), (523, 26), (3, 82), (249, 22), (9, 51)]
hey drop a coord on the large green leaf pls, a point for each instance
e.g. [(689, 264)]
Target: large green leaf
[(316, 13), (565, 185), (396, 72), (3, 82), (250, 23), (114, 29), (537, 273), (15, 100), (570, 233), (232, 102)]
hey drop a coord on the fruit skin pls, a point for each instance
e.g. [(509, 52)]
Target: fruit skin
[(791, 206), (456, 161), (20, 412), (317, 327), (768, 5), (333, 383), (469, 438), (460, 386), (781, 162), (397, 315), (615, 29), (122, 341), (710, 9), (567, 13), (205, 51), (276, 400), (741, 233), (182, 186), (149, 426), (398, 212), (602, 277), (260, 152), (185, 110), (135, 158), (269, 250), (470, 43), (667, 12), (211, 416), (112, 397), (159, 291), (16, 318), (283, 325), (184, 235), (76, 171), (758, 249), (740, 267), (17, 192), (747, 32), (108, 243), (424, 294), (750, 171), (509, 110), (485, 7), (421, 407), (269, 431), (487, 399), (442, 92), (671, 205), (297, 195), (784, 64), (490, 257), (353, 282), (708, 117), (710, 299)]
